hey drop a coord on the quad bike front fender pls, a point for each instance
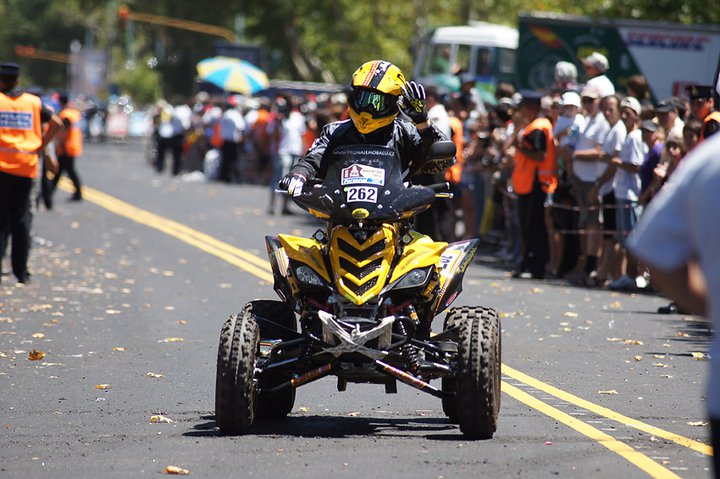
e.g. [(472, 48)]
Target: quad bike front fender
[(453, 263)]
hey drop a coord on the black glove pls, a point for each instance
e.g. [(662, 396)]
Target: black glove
[(292, 183), (413, 102)]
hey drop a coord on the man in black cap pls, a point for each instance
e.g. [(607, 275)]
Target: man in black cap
[(534, 177), (21, 139), (669, 118), (702, 105)]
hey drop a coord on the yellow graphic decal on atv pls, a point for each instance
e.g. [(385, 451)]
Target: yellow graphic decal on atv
[(420, 253), (360, 270), (318, 214), (306, 251)]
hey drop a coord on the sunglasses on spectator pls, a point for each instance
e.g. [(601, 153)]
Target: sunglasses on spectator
[(587, 99), (672, 144)]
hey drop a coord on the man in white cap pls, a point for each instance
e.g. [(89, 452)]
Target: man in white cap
[(566, 76), (585, 168), (596, 64)]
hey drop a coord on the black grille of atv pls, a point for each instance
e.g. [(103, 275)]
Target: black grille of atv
[(358, 254), (363, 288), (358, 272)]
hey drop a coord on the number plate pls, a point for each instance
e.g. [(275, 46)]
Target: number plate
[(368, 194)]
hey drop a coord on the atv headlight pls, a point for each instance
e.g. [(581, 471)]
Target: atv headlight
[(306, 275), (413, 279)]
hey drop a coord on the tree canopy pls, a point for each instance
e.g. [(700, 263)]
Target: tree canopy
[(314, 40)]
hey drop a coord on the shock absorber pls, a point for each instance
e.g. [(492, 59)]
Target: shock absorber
[(409, 352)]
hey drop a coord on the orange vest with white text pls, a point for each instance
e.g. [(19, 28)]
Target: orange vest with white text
[(20, 134), (454, 173), (715, 115), (526, 168), (70, 143)]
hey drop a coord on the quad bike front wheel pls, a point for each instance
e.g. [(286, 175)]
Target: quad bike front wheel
[(235, 391), (477, 382)]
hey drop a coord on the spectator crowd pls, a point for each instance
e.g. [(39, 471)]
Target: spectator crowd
[(552, 182)]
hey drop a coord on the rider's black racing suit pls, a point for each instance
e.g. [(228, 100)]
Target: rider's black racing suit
[(411, 145)]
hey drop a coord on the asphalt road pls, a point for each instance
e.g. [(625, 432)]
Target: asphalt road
[(131, 286)]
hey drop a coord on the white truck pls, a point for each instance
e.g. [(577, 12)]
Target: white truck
[(670, 55)]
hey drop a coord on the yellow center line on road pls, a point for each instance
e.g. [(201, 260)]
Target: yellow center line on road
[(260, 268), (605, 412), (235, 256), (652, 468)]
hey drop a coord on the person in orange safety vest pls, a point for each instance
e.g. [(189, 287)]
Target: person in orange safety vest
[(21, 139), (703, 106), (69, 145), (534, 176)]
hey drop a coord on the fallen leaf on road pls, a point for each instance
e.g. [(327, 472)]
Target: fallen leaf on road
[(698, 423), (570, 314), (103, 386), (3, 355), (537, 290), (38, 335), (119, 349), (159, 418), (615, 340), (155, 375), (611, 391), (35, 355), (683, 335), (666, 376), (633, 341), (638, 358), (659, 356), (661, 365), (303, 409), (39, 307), (353, 414), (176, 470), (6, 320), (181, 321), (616, 305), (701, 356), (171, 340)]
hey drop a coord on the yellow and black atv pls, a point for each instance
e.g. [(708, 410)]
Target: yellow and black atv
[(358, 300)]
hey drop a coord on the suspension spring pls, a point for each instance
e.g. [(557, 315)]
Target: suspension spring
[(408, 350)]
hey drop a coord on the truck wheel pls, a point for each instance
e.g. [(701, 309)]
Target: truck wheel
[(278, 404), (235, 391), (478, 376)]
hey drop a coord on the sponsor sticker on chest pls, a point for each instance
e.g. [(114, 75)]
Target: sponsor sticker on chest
[(356, 174)]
